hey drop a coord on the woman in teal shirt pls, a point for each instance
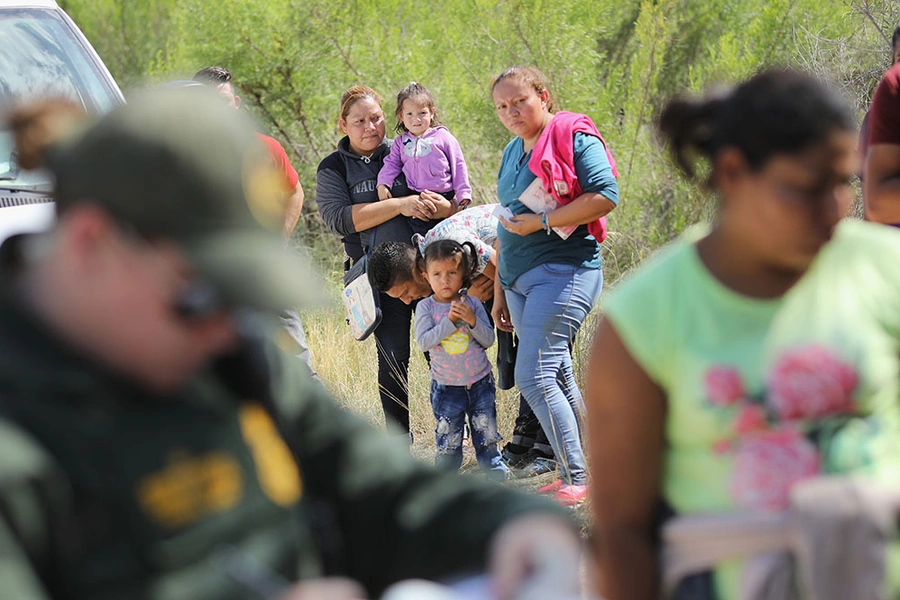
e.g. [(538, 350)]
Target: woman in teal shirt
[(547, 285)]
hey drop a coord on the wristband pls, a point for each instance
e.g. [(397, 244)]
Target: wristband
[(545, 223)]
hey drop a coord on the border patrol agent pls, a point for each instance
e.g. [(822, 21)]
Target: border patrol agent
[(146, 423)]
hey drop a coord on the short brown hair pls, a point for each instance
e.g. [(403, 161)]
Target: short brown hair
[(353, 95)]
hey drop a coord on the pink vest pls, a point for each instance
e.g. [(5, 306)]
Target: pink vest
[(553, 160)]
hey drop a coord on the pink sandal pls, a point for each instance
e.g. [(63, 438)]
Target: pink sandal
[(551, 488), (571, 495)]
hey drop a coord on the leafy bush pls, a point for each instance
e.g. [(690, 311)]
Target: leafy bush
[(616, 60)]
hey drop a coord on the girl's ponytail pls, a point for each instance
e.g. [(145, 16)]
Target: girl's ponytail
[(464, 253), (688, 125), (779, 111), (469, 262)]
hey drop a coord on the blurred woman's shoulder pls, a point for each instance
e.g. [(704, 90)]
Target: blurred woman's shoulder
[(864, 235), (866, 251)]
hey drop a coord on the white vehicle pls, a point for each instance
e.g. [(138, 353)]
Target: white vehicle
[(42, 54)]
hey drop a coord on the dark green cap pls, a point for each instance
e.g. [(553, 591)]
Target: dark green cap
[(181, 165)]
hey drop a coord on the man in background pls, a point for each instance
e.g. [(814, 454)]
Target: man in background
[(879, 146), (220, 79)]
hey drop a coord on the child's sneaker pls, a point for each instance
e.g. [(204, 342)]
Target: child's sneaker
[(551, 488), (536, 467), (571, 495), (534, 463)]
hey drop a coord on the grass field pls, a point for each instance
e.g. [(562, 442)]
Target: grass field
[(349, 370)]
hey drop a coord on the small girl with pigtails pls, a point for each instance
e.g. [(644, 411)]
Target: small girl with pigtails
[(454, 328), (426, 152)]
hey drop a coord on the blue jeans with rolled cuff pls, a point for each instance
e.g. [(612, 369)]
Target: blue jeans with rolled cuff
[(451, 405)]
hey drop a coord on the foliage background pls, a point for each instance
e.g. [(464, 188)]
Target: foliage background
[(616, 60)]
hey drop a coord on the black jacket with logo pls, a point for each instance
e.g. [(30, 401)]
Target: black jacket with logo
[(344, 179), (110, 491)]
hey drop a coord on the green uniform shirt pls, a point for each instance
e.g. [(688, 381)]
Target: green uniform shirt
[(107, 491)]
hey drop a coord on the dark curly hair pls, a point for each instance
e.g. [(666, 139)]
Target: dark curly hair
[(390, 264)]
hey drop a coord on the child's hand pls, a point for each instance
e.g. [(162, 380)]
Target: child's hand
[(461, 311), (384, 192)]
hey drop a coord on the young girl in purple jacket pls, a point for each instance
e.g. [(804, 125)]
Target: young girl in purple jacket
[(425, 151)]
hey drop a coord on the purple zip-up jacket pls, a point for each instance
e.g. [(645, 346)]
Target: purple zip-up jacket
[(432, 162)]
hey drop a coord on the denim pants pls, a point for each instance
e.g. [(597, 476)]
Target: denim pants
[(392, 342), (548, 304), (451, 405)]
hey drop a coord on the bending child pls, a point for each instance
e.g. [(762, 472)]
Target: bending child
[(426, 152), (456, 330)]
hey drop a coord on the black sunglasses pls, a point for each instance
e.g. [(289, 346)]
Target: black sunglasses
[(198, 301)]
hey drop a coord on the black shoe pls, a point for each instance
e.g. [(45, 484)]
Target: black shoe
[(514, 455)]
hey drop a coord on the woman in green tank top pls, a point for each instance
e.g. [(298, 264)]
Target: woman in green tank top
[(762, 353)]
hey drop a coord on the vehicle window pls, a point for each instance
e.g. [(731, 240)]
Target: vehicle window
[(42, 56)]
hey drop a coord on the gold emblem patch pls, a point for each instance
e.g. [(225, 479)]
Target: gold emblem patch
[(191, 487), (264, 190), (276, 468)]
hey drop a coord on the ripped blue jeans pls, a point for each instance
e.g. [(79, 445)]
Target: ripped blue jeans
[(451, 405)]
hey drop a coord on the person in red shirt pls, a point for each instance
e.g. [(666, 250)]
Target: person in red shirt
[(220, 79), (880, 152)]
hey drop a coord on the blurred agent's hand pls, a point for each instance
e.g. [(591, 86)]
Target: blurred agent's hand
[(330, 588), (536, 557)]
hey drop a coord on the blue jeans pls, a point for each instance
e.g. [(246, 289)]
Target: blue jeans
[(548, 304), (451, 404)]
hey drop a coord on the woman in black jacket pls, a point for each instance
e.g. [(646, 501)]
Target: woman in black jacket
[(347, 199)]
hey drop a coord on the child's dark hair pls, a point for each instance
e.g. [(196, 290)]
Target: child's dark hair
[(465, 254), (213, 75), (774, 112), (417, 93), (895, 38)]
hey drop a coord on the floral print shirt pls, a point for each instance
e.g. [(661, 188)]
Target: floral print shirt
[(476, 224), (458, 355), (764, 393)]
